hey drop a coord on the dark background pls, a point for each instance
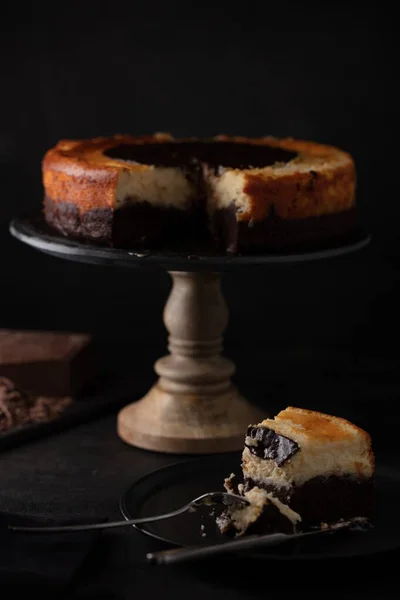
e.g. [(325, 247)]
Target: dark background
[(319, 335)]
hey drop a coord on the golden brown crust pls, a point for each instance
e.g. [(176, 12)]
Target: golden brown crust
[(320, 180), (77, 171), (299, 195), (325, 426)]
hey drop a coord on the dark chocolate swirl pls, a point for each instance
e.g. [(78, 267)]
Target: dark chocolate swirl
[(268, 444)]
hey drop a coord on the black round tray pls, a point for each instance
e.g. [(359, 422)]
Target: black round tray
[(33, 230)]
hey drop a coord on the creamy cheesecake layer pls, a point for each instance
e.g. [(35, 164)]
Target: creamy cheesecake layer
[(161, 187), (338, 460)]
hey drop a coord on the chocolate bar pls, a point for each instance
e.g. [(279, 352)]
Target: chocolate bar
[(45, 363)]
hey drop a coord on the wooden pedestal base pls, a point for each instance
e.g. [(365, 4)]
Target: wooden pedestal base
[(193, 408)]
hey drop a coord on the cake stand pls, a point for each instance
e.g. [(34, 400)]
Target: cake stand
[(193, 407)]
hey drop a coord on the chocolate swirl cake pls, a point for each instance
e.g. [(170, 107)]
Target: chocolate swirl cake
[(226, 193), (314, 469)]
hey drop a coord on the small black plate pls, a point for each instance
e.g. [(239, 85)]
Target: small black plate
[(170, 487)]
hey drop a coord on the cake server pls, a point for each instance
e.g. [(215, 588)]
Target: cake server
[(251, 542), (209, 498)]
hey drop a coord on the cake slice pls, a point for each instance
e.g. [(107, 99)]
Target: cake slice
[(319, 466)]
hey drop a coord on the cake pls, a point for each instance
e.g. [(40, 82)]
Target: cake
[(317, 466), (229, 194)]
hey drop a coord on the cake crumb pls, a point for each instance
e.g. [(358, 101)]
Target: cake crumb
[(231, 484)]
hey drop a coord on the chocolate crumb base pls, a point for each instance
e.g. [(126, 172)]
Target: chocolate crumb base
[(94, 224), (326, 499), (275, 234), (142, 225), (137, 225)]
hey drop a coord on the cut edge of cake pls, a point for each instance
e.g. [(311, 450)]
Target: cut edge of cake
[(276, 464)]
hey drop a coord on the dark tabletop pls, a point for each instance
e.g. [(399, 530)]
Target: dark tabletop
[(84, 471)]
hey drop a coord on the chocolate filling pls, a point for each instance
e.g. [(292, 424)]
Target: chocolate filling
[(189, 154), (326, 499), (268, 444)]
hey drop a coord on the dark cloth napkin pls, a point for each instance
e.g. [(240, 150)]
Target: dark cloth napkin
[(46, 563)]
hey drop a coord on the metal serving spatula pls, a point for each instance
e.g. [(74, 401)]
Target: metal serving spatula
[(251, 542)]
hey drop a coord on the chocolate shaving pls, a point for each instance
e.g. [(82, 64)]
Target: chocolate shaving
[(18, 408)]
